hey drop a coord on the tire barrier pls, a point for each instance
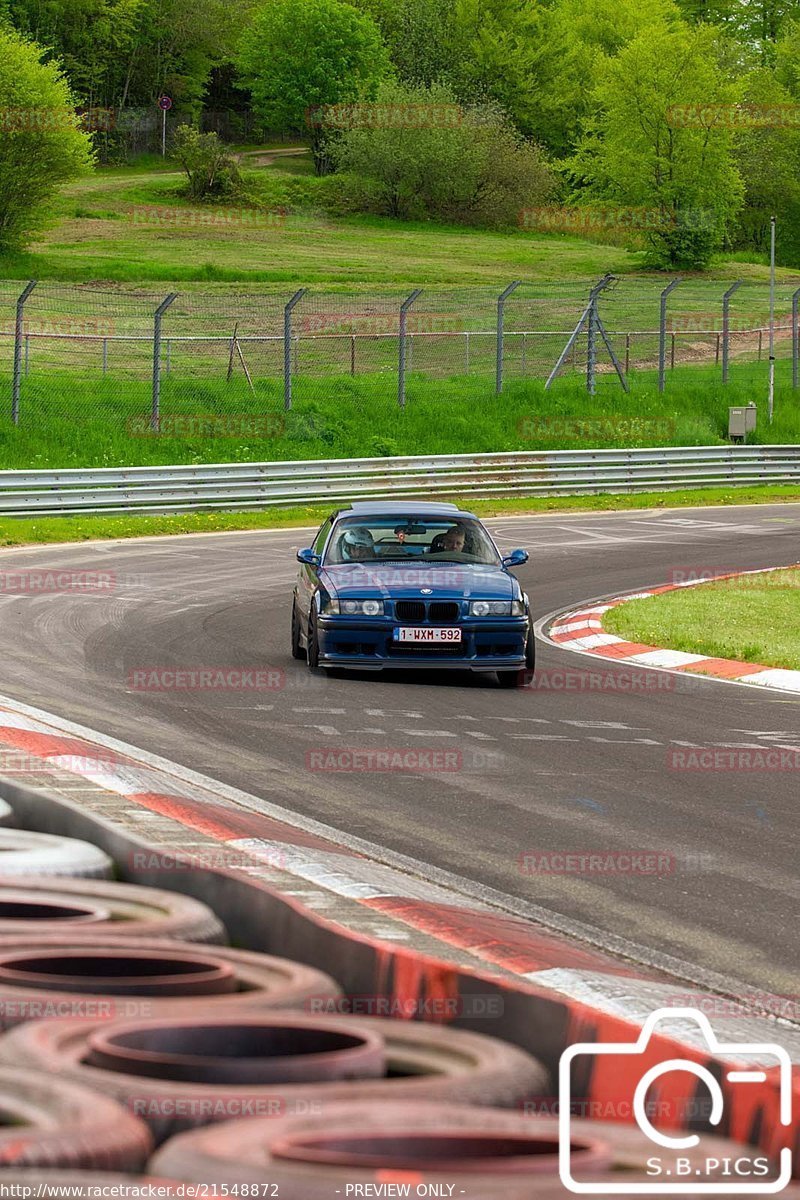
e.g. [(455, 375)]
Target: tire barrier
[(177, 1074), (45, 906), (50, 1122), (98, 975), (486, 1154), (6, 813), (23, 853)]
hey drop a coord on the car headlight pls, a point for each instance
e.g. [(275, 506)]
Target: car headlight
[(330, 607), (362, 608), (496, 608)]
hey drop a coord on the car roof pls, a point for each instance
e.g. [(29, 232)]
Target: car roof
[(379, 508)]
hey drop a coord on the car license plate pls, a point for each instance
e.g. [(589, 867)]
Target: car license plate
[(422, 634)]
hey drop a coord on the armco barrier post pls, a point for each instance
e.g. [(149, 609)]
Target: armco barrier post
[(662, 334), (401, 337), (726, 326), (17, 377), (501, 304), (287, 347), (155, 415), (795, 332)]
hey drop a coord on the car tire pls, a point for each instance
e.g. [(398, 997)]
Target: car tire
[(60, 907), (422, 1062), (24, 853), (297, 649), (245, 1151), (312, 655), (51, 1122), (96, 972)]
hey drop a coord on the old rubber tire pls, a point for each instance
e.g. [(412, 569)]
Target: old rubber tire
[(51, 1122), (6, 813), (126, 909), (23, 853), (424, 1062), (42, 979), (297, 649), (316, 1156)]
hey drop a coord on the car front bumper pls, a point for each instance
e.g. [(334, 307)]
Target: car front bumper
[(368, 644)]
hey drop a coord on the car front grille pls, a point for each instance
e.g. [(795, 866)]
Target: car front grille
[(438, 612), (443, 612), (410, 610)]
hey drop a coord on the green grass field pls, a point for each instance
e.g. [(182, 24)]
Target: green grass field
[(100, 233), (752, 618), (68, 421)]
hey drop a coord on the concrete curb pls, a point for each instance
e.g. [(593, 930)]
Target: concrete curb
[(582, 630)]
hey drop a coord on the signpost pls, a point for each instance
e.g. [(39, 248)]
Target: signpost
[(165, 104)]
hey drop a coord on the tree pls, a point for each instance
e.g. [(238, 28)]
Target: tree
[(211, 172), (469, 166), (42, 145), (768, 158), (659, 140), (299, 56)]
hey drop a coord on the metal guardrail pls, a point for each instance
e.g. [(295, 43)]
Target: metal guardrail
[(258, 485)]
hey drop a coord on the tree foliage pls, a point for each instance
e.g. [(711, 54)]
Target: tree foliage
[(651, 144), (298, 56), (42, 145)]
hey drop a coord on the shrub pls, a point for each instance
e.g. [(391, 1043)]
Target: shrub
[(211, 171)]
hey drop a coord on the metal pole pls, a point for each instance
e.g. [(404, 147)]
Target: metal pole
[(401, 363), (662, 334), (16, 379), (501, 304), (726, 304), (592, 328), (795, 302), (627, 353), (771, 393), (163, 133), (287, 347), (155, 414), (105, 355)]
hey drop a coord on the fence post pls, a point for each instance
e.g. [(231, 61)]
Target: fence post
[(662, 334), (155, 415), (105, 355), (401, 340), (726, 330), (501, 304), (15, 382), (287, 347), (795, 300)]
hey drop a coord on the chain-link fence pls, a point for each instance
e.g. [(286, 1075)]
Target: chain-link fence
[(161, 352)]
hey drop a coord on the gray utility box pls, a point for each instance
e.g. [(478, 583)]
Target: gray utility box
[(741, 421)]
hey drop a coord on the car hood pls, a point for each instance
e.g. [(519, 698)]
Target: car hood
[(447, 581)]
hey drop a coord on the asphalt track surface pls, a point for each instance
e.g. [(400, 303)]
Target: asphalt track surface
[(542, 770)]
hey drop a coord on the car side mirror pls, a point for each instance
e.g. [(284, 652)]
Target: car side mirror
[(308, 558), (516, 558)]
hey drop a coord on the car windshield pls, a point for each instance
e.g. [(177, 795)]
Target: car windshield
[(400, 538)]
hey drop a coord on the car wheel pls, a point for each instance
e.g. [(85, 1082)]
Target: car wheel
[(297, 649), (312, 655)]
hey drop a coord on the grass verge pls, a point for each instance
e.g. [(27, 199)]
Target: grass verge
[(752, 618), (31, 531)]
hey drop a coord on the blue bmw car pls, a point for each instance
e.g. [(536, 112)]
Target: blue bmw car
[(411, 584)]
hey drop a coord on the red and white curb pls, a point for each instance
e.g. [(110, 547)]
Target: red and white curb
[(582, 630)]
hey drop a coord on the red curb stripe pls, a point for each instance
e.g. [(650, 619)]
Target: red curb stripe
[(724, 668), (505, 941), (48, 745)]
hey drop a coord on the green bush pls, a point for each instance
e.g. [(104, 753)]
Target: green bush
[(211, 171), (464, 165)]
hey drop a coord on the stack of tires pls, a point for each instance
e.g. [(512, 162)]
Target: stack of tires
[(136, 1045)]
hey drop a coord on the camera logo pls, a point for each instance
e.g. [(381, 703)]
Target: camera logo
[(670, 1171)]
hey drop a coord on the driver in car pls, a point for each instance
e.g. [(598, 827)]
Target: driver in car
[(357, 544), (452, 540)]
